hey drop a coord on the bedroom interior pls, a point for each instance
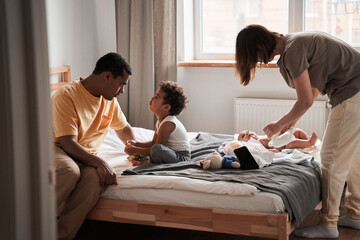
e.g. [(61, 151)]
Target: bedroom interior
[(36, 37), (128, 206)]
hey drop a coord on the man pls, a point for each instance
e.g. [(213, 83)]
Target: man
[(83, 112)]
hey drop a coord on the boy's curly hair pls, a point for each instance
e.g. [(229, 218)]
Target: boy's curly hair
[(174, 95)]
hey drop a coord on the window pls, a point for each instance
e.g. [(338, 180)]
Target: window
[(340, 18), (217, 22), (221, 20)]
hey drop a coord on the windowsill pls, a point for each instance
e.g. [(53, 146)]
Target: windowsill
[(219, 63)]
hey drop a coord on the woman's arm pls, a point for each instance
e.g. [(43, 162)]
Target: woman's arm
[(306, 96), (315, 94)]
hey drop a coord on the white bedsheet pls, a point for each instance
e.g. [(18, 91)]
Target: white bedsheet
[(112, 150), (179, 190)]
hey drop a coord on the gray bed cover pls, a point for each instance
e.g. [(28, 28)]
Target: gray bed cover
[(298, 185)]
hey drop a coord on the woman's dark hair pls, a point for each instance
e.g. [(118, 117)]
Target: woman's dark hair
[(250, 41), (174, 96), (114, 63)]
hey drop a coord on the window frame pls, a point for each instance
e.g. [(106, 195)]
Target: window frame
[(296, 20)]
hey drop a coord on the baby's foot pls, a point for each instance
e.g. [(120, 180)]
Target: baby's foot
[(349, 222), (313, 138), (317, 231)]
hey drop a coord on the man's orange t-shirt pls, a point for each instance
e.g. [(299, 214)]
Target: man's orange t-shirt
[(77, 112)]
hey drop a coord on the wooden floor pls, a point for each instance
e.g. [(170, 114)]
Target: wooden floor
[(93, 230)]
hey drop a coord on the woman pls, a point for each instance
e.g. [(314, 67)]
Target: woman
[(311, 63)]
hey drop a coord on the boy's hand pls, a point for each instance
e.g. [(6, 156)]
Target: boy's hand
[(130, 150), (130, 143)]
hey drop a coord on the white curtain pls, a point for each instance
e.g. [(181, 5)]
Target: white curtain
[(146, 38)]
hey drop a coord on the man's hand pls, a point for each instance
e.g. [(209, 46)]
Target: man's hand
[(78, 153), (130, 149), (107, 174)]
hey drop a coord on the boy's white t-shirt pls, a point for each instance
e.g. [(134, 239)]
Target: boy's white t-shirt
[(178, 139)]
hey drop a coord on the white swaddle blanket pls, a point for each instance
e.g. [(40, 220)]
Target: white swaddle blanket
[(264, 157), (281, 140)]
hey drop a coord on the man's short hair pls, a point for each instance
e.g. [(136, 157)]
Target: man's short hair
[(114, 63), (174, 95)]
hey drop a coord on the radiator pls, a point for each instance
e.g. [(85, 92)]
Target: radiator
[(254, 114)]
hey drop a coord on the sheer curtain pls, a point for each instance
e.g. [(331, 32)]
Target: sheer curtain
[(146, 38)]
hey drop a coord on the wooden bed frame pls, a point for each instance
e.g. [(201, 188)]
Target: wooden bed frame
[(274, 226), (64, 76)]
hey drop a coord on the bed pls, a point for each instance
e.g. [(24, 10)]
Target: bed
[(187, 197)]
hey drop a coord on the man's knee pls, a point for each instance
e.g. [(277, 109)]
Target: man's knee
[(68, 172), (90, 176), (67, 176), (66, 168)]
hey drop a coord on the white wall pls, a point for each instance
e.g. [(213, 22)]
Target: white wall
[(79, 33), (211, 92)]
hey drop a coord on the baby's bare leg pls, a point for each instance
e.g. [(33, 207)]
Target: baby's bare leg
[(303, 143), (300, 134), (313, 138)]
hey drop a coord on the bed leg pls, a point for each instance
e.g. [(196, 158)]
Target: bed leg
[(282, 234), (281, 237), (285, 228)]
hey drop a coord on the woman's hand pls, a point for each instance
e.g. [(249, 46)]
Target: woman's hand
[(272, 128), (286, 128), (306, 95)]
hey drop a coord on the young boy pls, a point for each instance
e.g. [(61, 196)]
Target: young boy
[(170, 143), (302, 139)]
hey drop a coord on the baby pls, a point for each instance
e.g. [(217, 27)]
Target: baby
[(302, 140)]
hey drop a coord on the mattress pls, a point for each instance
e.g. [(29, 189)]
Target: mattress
[(180, 190)]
